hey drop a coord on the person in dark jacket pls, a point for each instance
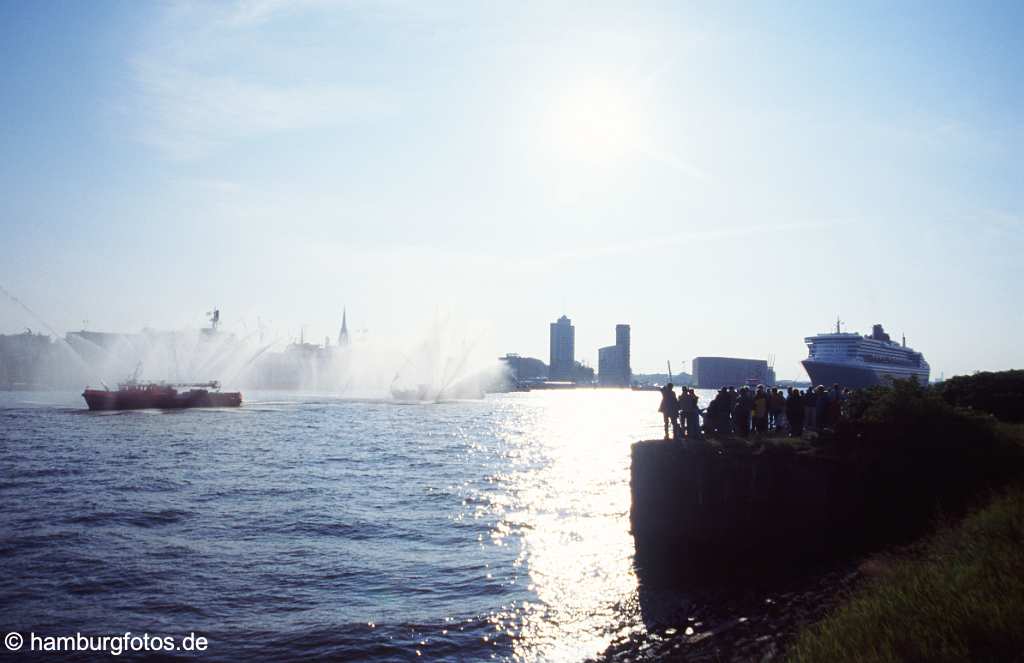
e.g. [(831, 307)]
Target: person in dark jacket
[(716, 418), (820, 407), (731, 397), (776, 408), (741, 412), (689, 409), (811, 408), (795, 413), (761, 410), (669, 409), (835, 405)]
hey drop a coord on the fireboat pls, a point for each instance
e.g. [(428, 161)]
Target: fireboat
[(135, 395)]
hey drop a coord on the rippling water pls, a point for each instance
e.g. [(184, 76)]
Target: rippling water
[(298, 526)]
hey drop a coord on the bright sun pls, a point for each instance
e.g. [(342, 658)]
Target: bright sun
[(597, 121)]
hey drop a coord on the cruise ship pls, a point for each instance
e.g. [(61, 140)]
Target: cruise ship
[(856, 361)]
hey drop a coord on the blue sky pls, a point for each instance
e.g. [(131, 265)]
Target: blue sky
[(726, 177)]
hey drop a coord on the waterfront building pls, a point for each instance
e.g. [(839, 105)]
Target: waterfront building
[(613, 369), (718, 372), (563, 350), (25, 360)]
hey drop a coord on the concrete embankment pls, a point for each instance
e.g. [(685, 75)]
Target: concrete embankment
[(696, 507)]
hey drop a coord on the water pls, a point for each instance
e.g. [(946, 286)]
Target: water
[(298, 527)]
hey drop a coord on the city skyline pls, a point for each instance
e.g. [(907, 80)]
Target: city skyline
[(727, 179)]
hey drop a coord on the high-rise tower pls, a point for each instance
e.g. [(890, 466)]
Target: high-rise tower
[(613, 361), (563, 349)]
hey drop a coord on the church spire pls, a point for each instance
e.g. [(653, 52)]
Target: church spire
[(343, 334)]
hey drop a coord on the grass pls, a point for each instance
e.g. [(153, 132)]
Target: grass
[(760, 443), (960, 599)]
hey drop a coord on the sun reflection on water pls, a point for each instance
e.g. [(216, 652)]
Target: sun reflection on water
[(566, 504)]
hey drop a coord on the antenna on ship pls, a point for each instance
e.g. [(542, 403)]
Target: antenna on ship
[(838, 322)]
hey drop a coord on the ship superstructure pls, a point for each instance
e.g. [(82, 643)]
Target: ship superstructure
[(856, 361)]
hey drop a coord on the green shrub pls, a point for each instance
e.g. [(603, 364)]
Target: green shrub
[(918, 454), (1000, 394), (915, 417)]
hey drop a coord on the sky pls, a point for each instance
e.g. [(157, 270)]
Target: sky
[(727, 178)]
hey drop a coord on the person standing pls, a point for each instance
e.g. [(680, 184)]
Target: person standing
[(684, 411), (731, 398), (810, 408), (718, 413), (669, 409), (820, 407), (776, 406), (795, 413), (741, 412), (692, 415), (835, 404), (760, 410)]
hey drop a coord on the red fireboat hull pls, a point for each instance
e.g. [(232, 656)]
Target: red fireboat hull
[(140, 399)]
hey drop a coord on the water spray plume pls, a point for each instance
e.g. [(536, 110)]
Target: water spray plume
[(443, 364)]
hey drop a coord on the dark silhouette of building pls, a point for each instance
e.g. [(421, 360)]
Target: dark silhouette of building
[(563, 350), (343, 334), (718, 372), (613, 368), (25, 360)]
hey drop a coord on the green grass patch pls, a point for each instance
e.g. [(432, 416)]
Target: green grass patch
[(960, 599)]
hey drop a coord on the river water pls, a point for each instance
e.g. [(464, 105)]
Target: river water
[(302, 526)]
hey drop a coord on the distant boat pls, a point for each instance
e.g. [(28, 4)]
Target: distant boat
[(420, 393), (856, 361), (134, 395)]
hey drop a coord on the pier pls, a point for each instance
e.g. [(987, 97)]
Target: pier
[(700, 509)]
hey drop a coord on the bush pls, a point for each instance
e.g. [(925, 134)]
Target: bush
[(918, 454), (914, 417), (1000, 394)]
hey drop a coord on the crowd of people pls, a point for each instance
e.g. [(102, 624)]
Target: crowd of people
[(762, 410)]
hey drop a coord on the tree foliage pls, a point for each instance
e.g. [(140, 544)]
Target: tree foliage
[(1000, 394)]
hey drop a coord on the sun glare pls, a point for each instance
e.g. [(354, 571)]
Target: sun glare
[(597, 121)]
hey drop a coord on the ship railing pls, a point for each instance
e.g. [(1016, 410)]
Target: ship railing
[(135, 384)]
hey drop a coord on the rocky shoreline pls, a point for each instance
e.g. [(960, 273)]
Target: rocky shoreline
[(737, 624)]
